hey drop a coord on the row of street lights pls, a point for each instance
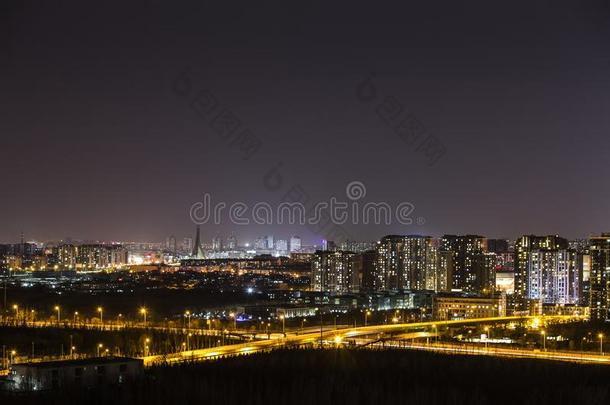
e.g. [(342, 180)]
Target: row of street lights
[(57, 309), (143, 311)]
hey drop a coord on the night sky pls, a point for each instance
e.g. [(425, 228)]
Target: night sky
[(98, 144)]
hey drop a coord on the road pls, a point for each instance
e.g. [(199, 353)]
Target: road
[(449, 348), (337, 336)]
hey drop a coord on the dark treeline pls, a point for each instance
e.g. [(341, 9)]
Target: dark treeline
[(353, 377)]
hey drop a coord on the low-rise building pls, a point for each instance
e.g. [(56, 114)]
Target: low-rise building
[(464, 306), (296, 312), (80, 372)]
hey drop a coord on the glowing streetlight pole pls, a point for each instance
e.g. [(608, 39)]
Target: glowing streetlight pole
[(74, 318), (486, 336), (99, 346), (283, 318), (58, 309), (543, 337), (188, 315), (232, 315), (601, 344), (101, 311), (143, 312), (366, 315)]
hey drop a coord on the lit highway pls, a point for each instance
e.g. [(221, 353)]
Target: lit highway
[(449, 348), (340, 336)]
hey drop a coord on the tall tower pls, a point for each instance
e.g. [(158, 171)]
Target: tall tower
[(599, 278), (197, 251), (529, 256), (468, 272)]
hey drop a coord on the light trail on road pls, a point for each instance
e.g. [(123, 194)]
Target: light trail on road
[(337, 336)]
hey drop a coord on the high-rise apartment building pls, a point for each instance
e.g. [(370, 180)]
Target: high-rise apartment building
[(295, 244), (333, 272), (408, 262), (390, 268), (231, 243), (524, 265), (552, 277), (472, 267), (599, 250)]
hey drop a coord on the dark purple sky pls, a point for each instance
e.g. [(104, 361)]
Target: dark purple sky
[(96, 145)]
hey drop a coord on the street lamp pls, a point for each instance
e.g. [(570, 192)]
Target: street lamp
[(101, 311), (146, 346), (543, 337), (13, 353), (366, 315), (601, 343), (232, 315), (143, 312), (283, 318), (99, 347), (188, 315), (58, 309), (74, 318)]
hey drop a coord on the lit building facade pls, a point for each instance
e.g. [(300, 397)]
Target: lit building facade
[(472, 267), (599, 251), (553, 277), (524, 247), (390, 269), (464, 306), (333, 272), (295, 244)]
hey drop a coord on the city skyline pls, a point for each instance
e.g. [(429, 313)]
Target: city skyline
[(304, 202), (209, 240)]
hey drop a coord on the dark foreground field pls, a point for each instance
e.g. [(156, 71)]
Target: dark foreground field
[(352, 377)]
